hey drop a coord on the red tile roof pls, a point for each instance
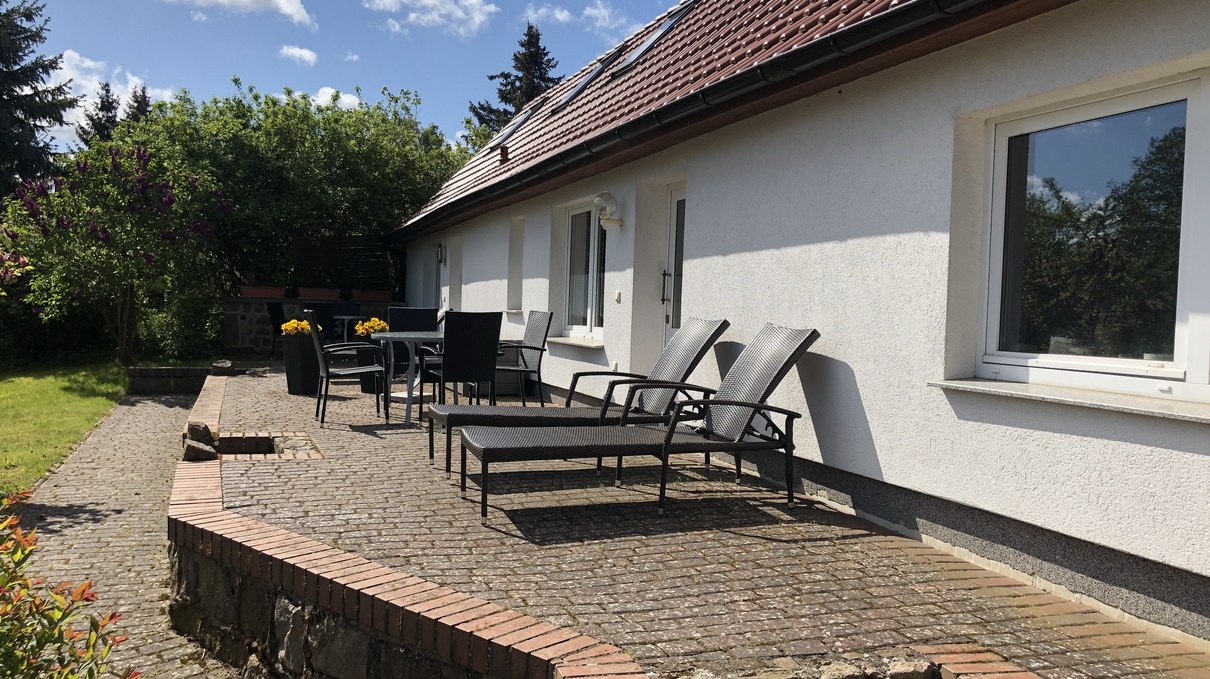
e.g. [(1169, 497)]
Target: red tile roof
[(716, 43)]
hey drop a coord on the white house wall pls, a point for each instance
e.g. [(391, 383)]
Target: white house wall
[(858, 211)]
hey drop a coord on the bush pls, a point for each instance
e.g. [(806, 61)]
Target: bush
[(185, 327), (47, 631)]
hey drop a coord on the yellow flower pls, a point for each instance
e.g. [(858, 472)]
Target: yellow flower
[(295, 327), (371, 326)]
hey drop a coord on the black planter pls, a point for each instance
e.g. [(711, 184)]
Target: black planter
[(369, 383), (302, 366)]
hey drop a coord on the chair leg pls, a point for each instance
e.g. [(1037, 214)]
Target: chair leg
[(707, 463), (448, 447), (739, 465), (521, 387), (323, 411), (318, 395), (491, 392), (483, 490), (663, 481), (600, 465), (377, 393), (462, 477), (617, 475), (541, 388), (790, 475), (431, 425)]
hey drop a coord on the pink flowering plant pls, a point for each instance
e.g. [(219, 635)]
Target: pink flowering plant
[(119, 225)]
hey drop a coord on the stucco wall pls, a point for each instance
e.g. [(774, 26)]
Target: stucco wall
[(859, 211)]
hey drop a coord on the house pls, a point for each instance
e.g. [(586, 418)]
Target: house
[(991, 209)]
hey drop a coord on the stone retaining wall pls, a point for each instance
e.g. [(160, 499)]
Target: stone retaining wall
[(268, 599), (246, 324)]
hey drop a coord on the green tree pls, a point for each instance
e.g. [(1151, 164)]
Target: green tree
[(138, 105), (101, 118), (118, 228), (28, 107), (532, 75)]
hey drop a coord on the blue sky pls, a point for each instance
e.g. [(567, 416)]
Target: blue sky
[(440, 49)]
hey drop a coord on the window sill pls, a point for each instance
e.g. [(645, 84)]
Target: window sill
[(1186, 411), (512, 311), (582, 342)]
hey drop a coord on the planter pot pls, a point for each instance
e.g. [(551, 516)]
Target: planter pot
[(319, 293), (302, 366), (369, 383), (269, 291)]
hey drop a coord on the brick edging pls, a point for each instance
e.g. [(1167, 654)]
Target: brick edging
[(972, 661), (467, 631)]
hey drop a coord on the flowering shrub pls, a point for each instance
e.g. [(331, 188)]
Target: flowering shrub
[(120, 228), (11, 268), (47, 631), (371, 326), (296, 327)]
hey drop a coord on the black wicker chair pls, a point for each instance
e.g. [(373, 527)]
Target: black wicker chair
[(468, 355), (529, 353), (725, 418), (325, 352), (327, 320), (677, 361)]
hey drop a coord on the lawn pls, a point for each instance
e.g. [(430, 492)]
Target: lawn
[(44, 411)]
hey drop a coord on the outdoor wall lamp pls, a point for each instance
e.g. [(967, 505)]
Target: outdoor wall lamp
[(605, 206), (441, 253)]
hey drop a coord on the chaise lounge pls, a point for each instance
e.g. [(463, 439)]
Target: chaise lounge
[(726, 421), (677, 361)]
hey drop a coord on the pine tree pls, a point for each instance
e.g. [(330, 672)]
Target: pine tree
[(101, 119), (138, 106), (28, 107), (530, 77)]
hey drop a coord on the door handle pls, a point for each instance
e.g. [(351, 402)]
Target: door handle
[(664, 286)]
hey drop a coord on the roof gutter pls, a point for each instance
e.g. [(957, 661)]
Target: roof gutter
[(764, 76)]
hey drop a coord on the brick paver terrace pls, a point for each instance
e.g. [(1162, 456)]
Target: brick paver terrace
[(730, 581), (101, 516)]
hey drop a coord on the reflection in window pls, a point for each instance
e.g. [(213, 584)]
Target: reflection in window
[(585, 272), (1092, 236)]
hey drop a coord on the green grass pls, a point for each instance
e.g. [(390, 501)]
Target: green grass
[(44, 411)]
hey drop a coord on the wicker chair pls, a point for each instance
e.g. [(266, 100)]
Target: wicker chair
[(325, 352), (530, 351), (677, 361), (725, 420), (468, 355), (414, 319)]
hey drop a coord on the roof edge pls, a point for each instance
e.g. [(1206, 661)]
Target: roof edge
[(796, 69)]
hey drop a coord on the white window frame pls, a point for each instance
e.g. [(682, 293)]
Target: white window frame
[(1187, 375), (590, 331)]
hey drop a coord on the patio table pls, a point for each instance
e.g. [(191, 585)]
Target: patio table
[(344, 325), (413, 340)]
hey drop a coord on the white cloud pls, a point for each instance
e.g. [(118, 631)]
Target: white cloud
[(350, 56), (291, 9), (199, 17), (86, 76), (298, 54), (462, 17), (546, 14), (607, 21), (324, 98), (396, 27)]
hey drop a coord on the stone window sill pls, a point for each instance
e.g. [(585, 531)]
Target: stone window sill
[(582, 342), (1186, 411)]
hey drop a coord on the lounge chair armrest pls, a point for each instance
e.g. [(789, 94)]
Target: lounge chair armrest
[(571, 391), (747, 404), (639, 385), (343, 347), (702, 405)]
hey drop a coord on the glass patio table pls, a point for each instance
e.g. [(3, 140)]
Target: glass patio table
[(413, 340)]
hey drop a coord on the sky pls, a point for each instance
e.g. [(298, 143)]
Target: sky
[(441, 50)]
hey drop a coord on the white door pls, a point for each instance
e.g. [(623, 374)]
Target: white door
[(673, 271)]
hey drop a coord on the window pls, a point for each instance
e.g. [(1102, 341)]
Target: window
[(1096, 272), (652, 39), (585, 274)]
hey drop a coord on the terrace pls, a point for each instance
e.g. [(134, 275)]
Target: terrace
[(575, 577)]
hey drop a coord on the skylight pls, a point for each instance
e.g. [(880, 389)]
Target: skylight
[(517, 123), (653, 38), (573, 92)]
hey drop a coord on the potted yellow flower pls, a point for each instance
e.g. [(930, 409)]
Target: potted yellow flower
[(364, 357), (302, 365)]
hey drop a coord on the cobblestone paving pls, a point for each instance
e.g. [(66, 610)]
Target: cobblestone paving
[(729, 581), (102, 514)]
